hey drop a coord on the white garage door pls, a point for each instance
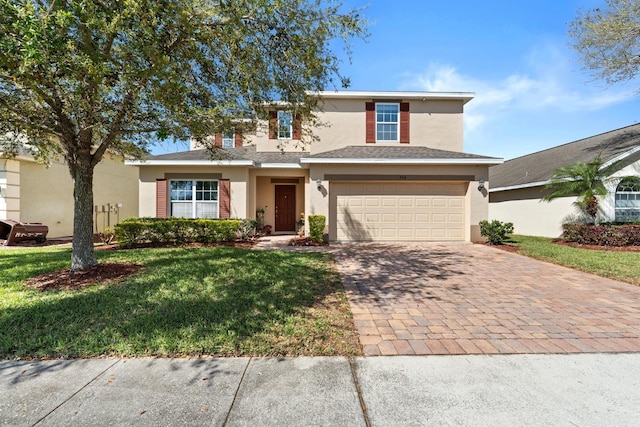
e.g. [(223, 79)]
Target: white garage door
[(398, 211)]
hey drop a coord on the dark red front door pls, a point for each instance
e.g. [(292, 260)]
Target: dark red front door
[(285, 208)]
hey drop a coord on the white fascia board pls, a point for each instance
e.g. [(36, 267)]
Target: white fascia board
[(189, 162), (402, 161), (620, 157), (356, 94), (518, 187), (279, 165)]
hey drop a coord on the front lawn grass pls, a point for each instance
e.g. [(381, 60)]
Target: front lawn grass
[(217, 301), (618, 265)]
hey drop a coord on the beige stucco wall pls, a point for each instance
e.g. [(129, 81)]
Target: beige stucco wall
[(433, 123), (46, 194), (476, 202), (10, 189), (238, 177), (528, 214)]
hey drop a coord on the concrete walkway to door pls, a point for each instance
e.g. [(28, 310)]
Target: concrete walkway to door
[(461, 298)]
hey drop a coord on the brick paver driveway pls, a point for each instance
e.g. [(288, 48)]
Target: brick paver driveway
[(437, 298)]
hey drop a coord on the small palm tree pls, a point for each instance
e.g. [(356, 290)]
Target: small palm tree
[(584, 180)]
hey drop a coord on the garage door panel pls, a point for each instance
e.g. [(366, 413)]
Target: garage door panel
[(399, 211)]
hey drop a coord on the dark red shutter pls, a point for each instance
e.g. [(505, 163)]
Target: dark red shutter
[(238, 139), (404, 122), (217, 140), (273, 125), (224, 188), (161, 198), (370, 107), (297, 131)]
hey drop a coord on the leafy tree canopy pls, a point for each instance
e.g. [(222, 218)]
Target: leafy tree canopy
[(608, 40), (79, 77)]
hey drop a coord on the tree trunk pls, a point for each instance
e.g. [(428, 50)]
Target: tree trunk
[(82, 255)]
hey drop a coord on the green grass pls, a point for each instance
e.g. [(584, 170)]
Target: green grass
[(187, 301), (619, 265)]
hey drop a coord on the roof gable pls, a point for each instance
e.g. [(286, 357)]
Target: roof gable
[(537, 168)]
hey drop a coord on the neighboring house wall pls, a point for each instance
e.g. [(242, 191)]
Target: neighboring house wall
[(10, 189), (529, 215), (46, 194)]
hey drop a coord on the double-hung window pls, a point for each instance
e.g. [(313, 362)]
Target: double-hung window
[(387, 120), (228, 140), (285, 120), (194, 199)]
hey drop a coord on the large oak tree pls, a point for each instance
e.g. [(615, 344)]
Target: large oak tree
[(82, 78), (608, 40)]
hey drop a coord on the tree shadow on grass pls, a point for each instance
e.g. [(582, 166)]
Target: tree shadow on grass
[(204, 301)]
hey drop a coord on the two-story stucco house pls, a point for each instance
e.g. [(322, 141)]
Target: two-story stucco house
[(383, 166)]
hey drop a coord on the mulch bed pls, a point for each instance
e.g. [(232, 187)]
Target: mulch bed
[(108, 271), (513, 248), (305, 241), (597, 247), (64, 280)]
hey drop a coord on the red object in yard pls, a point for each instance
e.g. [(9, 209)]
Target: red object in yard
[(12, 232)]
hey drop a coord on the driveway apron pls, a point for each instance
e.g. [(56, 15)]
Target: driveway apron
[(461, 298)]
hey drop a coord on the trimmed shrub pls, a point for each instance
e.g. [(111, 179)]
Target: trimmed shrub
[(137, 231), (602, 235), (316, 227), (495, 231)]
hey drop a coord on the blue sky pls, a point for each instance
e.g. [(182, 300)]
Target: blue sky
[(531, 93)]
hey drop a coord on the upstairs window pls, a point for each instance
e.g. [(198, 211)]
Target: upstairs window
[(387, 121), (285, 120), (628, 200), (228, 139)]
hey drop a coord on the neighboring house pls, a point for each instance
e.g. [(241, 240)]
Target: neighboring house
[(33, 192), (384, 166), (517, 185)]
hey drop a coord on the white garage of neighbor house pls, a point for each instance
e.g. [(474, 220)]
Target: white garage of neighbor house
[(517, 185), (385, 166)]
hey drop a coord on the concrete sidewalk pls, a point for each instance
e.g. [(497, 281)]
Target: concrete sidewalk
[(581, 389)]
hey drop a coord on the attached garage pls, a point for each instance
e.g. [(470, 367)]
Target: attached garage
[(396, 211)]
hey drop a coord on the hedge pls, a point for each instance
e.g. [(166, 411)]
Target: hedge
[(137, 231), (602, 235)]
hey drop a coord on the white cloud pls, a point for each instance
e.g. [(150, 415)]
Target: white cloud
[(548, 87)]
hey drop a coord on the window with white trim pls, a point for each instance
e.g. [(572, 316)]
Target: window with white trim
[(387, 122), (194, 199), (285, 121), (228, 139), (628, 200)]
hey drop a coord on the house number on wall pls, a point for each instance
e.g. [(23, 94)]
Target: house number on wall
[(403, 177)]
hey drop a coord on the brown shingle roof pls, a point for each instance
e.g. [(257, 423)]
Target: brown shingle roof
[(238, 153), (539, 167), (395, 152)]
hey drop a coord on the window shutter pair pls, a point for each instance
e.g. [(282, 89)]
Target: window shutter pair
[(217, 139), (370, 119), (296, 129), (162, 198)]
